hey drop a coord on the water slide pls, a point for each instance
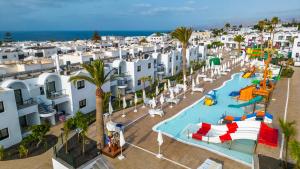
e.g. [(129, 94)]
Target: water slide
[(248, 130), (250, 102), (266, 117)]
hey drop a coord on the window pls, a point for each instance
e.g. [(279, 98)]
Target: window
[(80, 84), (4, 57), (298, 44), (1, 107), (176, 57), (280, 37), (176, 68), (149, 65), (82, 103), (297, 55), (154, 61), (170, 59), (42, 92), (4, 134), (170, 70), (139, 82), (139, 68)]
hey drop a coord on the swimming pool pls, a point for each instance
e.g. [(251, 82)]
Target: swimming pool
[(176, 126)]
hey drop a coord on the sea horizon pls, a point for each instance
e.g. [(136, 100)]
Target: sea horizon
[(66, 35)]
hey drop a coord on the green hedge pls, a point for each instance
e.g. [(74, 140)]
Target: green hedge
[(287, 72)]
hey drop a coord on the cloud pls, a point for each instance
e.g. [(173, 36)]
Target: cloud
[(156, 10), (143, 5)]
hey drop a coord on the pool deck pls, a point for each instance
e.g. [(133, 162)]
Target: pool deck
[(142, 147)]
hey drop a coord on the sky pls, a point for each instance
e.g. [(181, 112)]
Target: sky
[(32, 15)]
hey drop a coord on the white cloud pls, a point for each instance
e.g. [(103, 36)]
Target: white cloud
[(143, 5), (155, 10)]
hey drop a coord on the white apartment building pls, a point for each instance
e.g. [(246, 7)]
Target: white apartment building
[(296, 51), (158, 38), (46, 97), (8, 54)]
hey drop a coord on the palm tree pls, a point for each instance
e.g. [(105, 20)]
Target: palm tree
[(96, 37), (261, 27), (97, 77), (82, 124), (289, 131), (183, 35), (67, 128), (144, 79), (295, 152), (227, 26), (239, 39), (274, 22)]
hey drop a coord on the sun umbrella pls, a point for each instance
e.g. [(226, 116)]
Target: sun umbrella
[(161, 100), (165, 87), (153, 103), (197, 80), (192, 70), (212, 65), (122, 143), (193, 83), (144, 95), (110, 108), (212, 74), (135, 102), (124, 106), (156, 91), (160, 141), (203, 69), (169, 83), (184, 79)]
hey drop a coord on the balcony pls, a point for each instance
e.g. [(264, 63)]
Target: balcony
[(27, 107), (26, 103), (58, 97)]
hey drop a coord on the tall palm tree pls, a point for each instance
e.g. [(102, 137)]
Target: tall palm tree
[(295, 152), (289, 131), (239, 39), (96, 75), (183, 35), (274, 22), (145, 79), (261, 27)]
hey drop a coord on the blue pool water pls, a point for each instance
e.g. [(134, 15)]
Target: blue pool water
[(177, 126)]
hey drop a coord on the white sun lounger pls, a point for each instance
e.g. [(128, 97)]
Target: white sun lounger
[(210, 164), (153, 112), (197, 89), (223, 73), (208, 79), (148, 102), (202, 75), (228, 70), (175, 101)]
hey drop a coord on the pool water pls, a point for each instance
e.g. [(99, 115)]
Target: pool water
[(178, 125)]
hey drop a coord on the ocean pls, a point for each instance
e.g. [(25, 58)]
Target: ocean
[(69, 35)]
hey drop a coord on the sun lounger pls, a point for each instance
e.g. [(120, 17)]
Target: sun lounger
[(112, 126), (223, 73), (208, 79), (202, 75), (228, 70), (197, 89), (175, 101), (210, 164), (153, 112), (148, 102)]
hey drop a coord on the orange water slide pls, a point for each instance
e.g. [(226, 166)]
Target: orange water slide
[(246, 93)]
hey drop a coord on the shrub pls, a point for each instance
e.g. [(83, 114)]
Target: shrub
[(1, 152), (23, 151), (287, 72)]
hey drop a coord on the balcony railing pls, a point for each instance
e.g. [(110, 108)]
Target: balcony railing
[(26, 103), (57, 94)]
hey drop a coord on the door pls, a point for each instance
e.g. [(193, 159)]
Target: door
[(18, 96), (50, 88)]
